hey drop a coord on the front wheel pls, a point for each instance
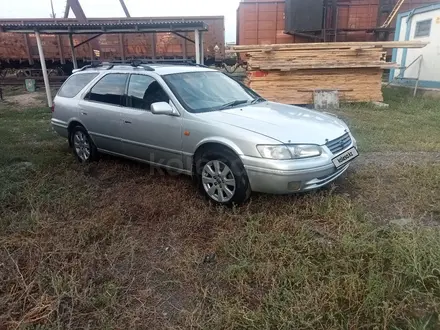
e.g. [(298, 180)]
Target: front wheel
[(222, 177)]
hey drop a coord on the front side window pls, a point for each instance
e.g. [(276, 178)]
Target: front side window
[(75, 84), (423, 28), (110, 89), (143, 91), (208, 91)]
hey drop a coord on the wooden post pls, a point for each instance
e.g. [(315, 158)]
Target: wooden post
[(184, 50), (197, 45), (121, 46), (72, 48), (153, 44), (276, 22), (60, 48), (336, 24), (28, 50), (258, 19), (418, 76), (44, 69), (202, 49)]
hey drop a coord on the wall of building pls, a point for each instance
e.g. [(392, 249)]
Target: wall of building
[(406, 30)]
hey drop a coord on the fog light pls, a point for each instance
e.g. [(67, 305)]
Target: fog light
[(294, 185)]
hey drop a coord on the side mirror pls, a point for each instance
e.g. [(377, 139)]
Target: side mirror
[(162, 108)]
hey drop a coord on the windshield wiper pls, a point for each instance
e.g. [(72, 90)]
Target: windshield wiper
[(232, 104), (258, 100)]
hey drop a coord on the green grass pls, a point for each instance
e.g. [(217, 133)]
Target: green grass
[(409, 124), (115, 245)]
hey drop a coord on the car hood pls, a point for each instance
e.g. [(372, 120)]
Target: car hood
[(285, 123)]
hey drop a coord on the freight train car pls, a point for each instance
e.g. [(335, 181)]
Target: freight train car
[(291, 21), (19, 51)]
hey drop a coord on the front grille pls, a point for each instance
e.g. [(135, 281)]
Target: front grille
[(339, 144)]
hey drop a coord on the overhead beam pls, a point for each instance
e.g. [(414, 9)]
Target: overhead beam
[(124, 7), (307, 35), (86, 41), (182, 36), (93, 31), (78, 11), (82, 18), (67, 10)]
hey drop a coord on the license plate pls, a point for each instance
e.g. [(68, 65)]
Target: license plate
[(345, 157)]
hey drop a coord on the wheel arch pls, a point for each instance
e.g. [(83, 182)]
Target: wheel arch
[(220, 144), (73, 123)]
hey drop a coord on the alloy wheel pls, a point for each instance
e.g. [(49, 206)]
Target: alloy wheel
[(81, 144), (218, 181)]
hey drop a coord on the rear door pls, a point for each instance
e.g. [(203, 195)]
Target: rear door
[(146, 136), (66, 108), (100, 111)]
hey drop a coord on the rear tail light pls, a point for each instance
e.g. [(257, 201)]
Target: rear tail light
[(53, 107)]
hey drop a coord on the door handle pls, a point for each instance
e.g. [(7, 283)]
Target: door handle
[(127, 122)]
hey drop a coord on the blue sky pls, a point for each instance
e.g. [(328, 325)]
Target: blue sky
[(112, 8)]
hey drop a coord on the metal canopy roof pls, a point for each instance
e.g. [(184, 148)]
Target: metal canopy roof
[(120, 27)]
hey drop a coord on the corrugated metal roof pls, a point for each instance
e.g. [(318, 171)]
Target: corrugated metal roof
[(71, 27)]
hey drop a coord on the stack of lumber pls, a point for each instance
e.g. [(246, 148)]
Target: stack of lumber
[(297, 87), (290, 73)]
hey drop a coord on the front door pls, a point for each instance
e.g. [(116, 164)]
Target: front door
[(100, 111), (153, 138)]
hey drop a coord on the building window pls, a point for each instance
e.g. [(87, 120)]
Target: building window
[(423, 28)]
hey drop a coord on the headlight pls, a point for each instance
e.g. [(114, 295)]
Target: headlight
[(274, 152), (282, 152), (305, 151)]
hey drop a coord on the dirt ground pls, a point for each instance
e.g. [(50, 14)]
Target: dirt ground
[(27, 100)]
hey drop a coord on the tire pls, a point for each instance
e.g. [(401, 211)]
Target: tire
[(83, 147), (221, 177)]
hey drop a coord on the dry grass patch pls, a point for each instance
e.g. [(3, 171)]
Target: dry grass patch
[(118, 245), (409, 124)]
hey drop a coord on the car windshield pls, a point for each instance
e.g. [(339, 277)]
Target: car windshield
[(209, 91)]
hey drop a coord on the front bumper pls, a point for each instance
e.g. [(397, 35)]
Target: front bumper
[(287, 177)]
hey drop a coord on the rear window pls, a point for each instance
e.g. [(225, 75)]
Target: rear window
[(75, 84)]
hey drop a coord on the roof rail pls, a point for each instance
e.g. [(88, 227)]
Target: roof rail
[(172, 61), (142, 63)]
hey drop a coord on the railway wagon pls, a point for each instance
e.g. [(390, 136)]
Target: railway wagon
[(20, 50), (292, 21)]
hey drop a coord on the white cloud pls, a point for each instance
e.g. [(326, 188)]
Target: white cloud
[(112, 8)]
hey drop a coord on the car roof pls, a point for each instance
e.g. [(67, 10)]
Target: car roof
[(160, 69)]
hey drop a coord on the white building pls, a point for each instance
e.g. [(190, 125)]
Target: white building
[(419, 24)]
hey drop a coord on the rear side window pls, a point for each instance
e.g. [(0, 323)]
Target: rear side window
[(110, 89), (75, 84)]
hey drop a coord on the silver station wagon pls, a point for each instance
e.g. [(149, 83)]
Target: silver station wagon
[(198, 121)]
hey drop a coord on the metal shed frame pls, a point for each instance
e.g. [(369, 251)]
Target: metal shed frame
[(70, 28)]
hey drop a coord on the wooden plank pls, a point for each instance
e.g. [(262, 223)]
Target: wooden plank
[(333, 45)]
